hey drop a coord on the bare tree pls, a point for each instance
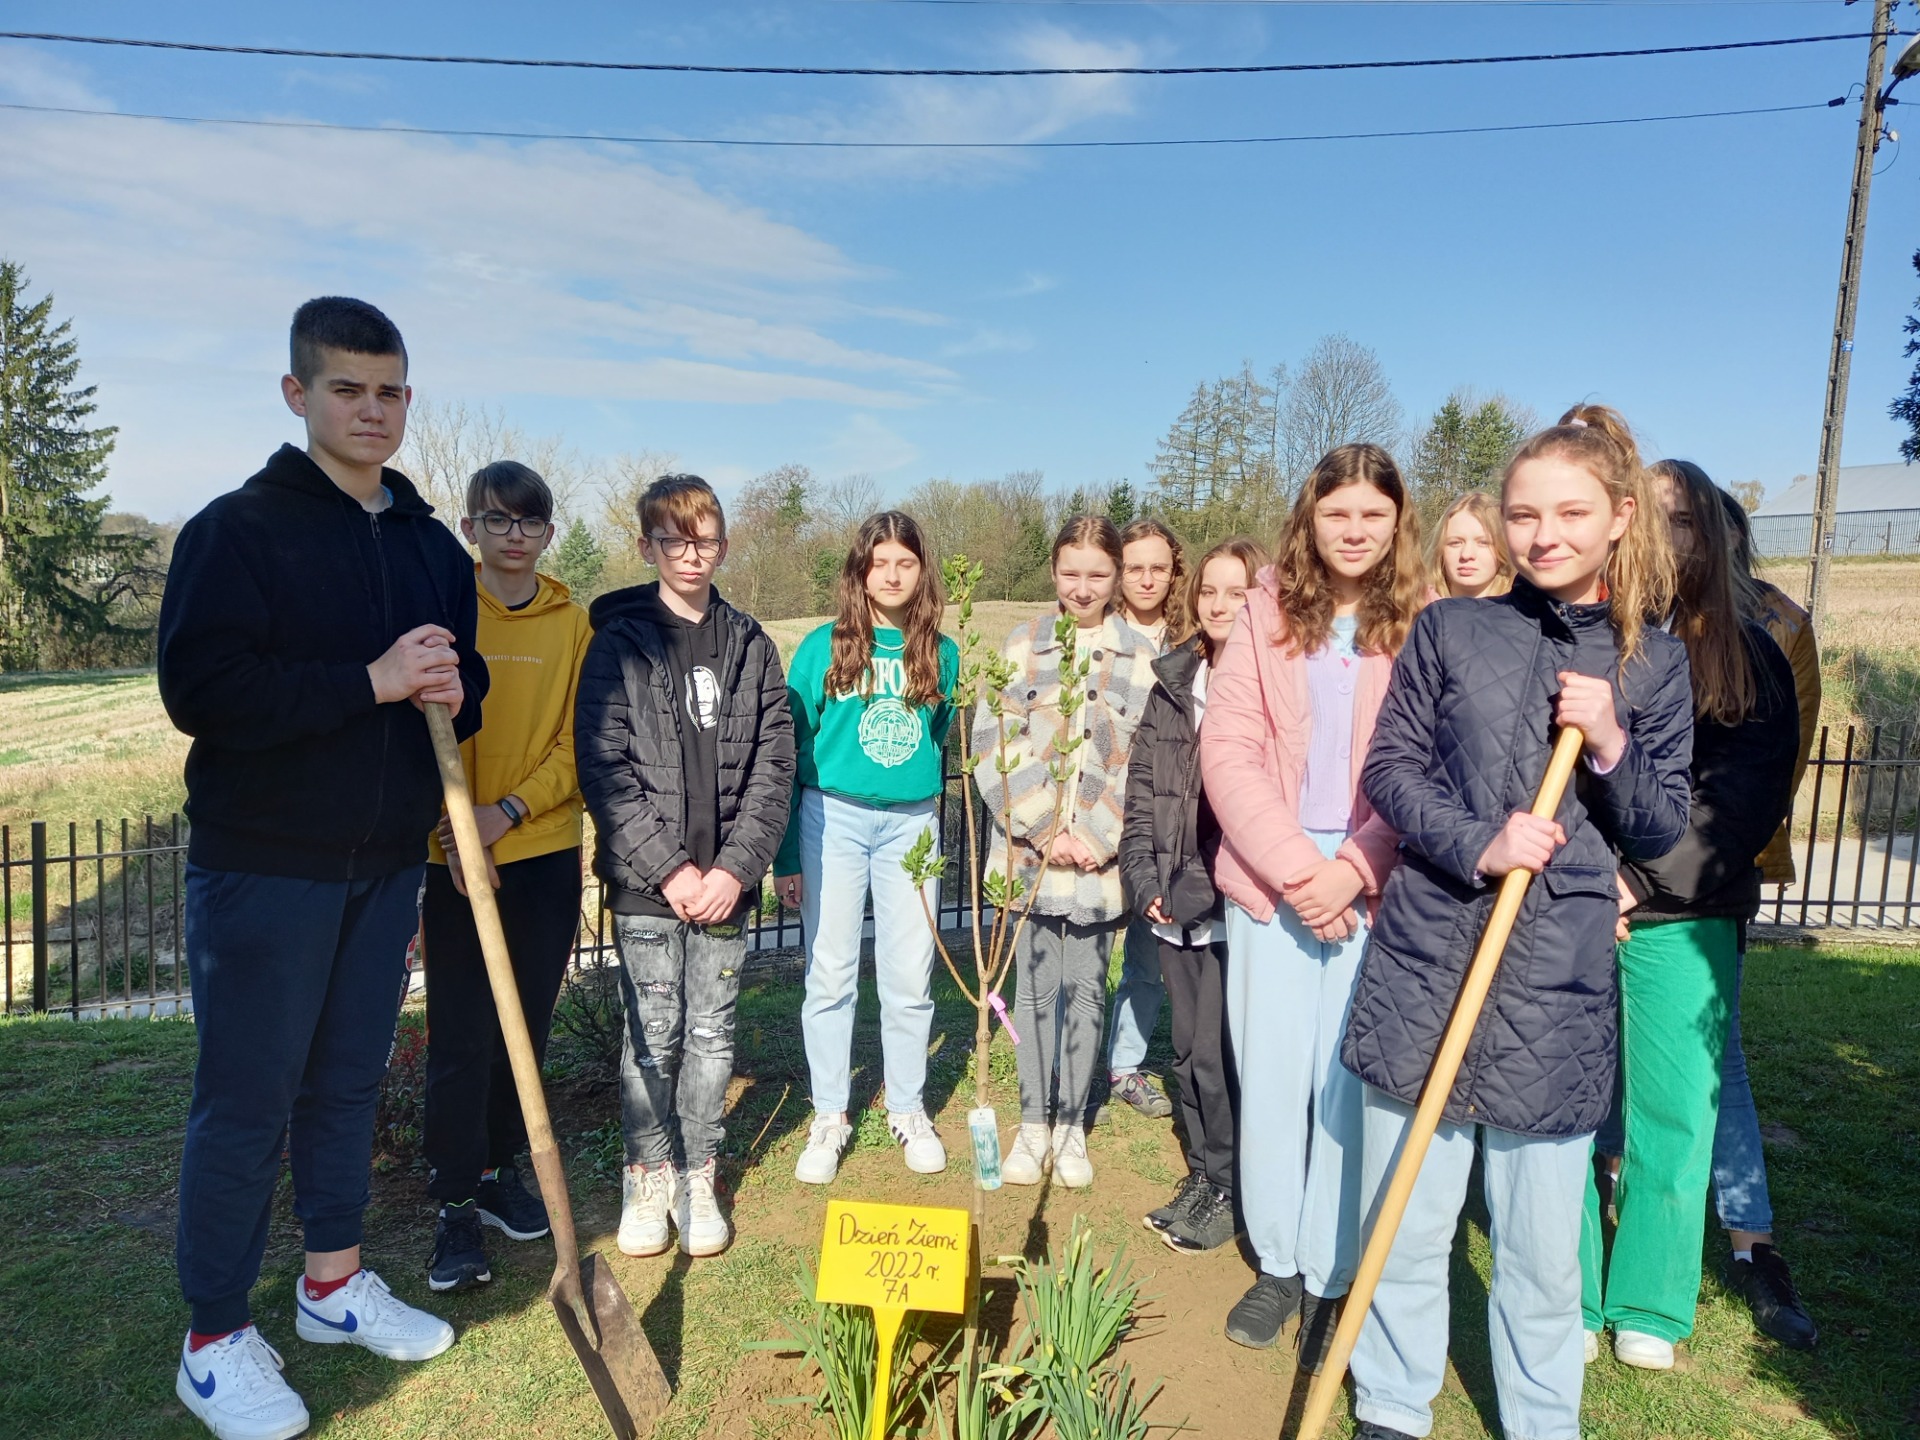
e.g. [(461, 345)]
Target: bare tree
[(841, 506), (1338, 396), (447, 440)]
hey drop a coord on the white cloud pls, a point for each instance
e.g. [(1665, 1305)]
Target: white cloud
[(528, 269), (30, 76), (865, 445)]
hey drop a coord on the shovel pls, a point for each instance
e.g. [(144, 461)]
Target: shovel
[(591, 1307), (1433, 1100)]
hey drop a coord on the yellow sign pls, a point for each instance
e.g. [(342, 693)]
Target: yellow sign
[(893, 1258)]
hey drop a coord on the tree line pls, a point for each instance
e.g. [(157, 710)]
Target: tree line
[(80, 585)]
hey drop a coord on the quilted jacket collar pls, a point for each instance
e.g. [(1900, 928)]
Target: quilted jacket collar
[(1575, 620)]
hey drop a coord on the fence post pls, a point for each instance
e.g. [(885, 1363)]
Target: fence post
[(38, 874)]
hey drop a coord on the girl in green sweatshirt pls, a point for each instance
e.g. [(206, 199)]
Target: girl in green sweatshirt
[(871, 697)]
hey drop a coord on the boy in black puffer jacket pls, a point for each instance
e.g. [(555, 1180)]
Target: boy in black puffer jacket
[(684, 743)]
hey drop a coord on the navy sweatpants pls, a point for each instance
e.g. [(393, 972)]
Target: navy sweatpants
[(296, 992)]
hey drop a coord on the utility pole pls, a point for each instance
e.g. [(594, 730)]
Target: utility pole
[(1826, 485)]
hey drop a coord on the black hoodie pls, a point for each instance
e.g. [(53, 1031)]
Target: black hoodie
[(639, 752), (281, 593)]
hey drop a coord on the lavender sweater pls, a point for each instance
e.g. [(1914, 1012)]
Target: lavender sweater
[(1326, 792)]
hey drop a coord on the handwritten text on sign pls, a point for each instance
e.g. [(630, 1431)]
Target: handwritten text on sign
[(910, 1256)]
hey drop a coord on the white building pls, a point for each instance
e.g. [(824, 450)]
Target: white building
[(1877, 513)]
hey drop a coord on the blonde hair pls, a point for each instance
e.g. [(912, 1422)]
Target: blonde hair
[(1639, 573), (1394, 587), (1178, 617), (1244, 548), (1484, 508), (1094, 532)]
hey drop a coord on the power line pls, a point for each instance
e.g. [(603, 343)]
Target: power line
[(670, 67), (928, 144), (1328, 4)]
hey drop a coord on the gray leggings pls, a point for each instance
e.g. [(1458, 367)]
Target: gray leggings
[(1059, 1008)]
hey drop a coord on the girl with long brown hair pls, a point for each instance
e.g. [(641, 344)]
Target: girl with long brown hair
[(871, 697), (1679, 964), (1457, 758), (1077, 906), (1290, 709)]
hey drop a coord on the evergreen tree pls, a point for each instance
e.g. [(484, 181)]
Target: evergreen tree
[(61, 573), (1122, 508), (1464, 447), (1906, 406), (578, 561)]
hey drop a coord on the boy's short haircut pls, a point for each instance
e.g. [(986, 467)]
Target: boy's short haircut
[(509, 486), (682, 501), (336, 322)]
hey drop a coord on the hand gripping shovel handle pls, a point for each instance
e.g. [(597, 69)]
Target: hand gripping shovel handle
[(513, 1021), (1433, 1101)]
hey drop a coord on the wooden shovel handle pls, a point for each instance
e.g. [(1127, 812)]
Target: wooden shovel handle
[(1433, 1100), (513, 1020)]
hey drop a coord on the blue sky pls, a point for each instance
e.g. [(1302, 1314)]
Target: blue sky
[(909, 314)]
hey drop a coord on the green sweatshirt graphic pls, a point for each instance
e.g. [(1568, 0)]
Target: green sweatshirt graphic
[(872, 747)]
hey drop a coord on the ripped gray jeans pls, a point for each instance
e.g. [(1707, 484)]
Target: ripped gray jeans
[(680, 983)]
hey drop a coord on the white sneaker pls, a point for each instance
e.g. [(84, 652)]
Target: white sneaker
[(703, 1229), (647, 1196), (912, 1129), (1027, 1161), (365, 1312), (234, 1386), (827, 1140), (1070, 1164), (1643, 1352), (1592, 1343)]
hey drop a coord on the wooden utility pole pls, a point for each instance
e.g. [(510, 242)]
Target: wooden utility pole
[(1826, 485)]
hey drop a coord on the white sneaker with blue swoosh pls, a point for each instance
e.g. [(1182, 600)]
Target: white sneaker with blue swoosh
[(234, 1386), (365, 1312)]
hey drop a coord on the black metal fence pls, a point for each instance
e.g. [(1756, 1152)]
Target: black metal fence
[(93, 926)]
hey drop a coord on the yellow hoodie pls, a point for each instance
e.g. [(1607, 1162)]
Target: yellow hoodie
[(525, 744)]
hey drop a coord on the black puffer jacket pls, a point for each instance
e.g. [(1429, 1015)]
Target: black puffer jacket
[(1461, 743), (1742, 785), (1168, 819), (626, 738)]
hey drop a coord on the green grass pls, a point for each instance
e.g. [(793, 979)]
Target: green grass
[(90, 1123)]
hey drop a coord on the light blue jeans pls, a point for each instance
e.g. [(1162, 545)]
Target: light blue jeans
[(846, 847), (1739, 1164), (1136, 1004), (1534, 1191), (1299, 1142)]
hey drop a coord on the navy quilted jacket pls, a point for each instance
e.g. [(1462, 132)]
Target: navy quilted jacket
[(1461, 743)]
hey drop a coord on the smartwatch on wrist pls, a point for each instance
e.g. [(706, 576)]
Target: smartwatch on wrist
[(514, 810)]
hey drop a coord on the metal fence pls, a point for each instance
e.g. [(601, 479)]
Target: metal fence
[(93, 924), (1855, 532)]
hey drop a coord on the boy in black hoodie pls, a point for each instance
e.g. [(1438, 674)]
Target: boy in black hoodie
[(684, 743), (308, 615)]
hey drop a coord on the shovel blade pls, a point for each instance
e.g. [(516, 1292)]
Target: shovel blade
[(625, 1373)]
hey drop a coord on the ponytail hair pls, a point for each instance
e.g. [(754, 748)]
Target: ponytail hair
[(1484, 508), (851, 668), (1178, 616), (1639, 574), (1394, 587), (1707, 609), (1244, 548)]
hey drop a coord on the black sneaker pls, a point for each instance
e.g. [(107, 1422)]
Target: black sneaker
[(1374, 1430), (1767, 1285), (506, 1205), (1257, 1316), (1207, 1225), (1319, 1318), (459, 1255), (1137, 1091), (1185, 1195)]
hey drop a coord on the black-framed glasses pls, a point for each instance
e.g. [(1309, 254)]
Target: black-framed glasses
[(531, 526), (673, 547)]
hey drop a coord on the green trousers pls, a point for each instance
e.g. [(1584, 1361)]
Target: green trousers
[(1676, 991)]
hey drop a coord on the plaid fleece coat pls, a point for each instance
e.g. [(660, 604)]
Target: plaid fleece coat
[(1117, 689)]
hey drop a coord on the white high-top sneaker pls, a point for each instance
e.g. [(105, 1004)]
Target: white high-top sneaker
[(1026, 1163), (234, 1386), (365, 1312), (647, 1196), (1071, 1167), (914, 1132), (703, 1229)]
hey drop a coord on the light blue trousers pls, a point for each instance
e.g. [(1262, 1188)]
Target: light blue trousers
[(847, 847), (1534, 1191), (1739, 1164), (1136, 1004), (1299, 1141)]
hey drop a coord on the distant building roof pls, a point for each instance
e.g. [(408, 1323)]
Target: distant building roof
[(1862, 487)]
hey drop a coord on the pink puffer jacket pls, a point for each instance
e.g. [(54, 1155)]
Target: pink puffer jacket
[(1253, 757)]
